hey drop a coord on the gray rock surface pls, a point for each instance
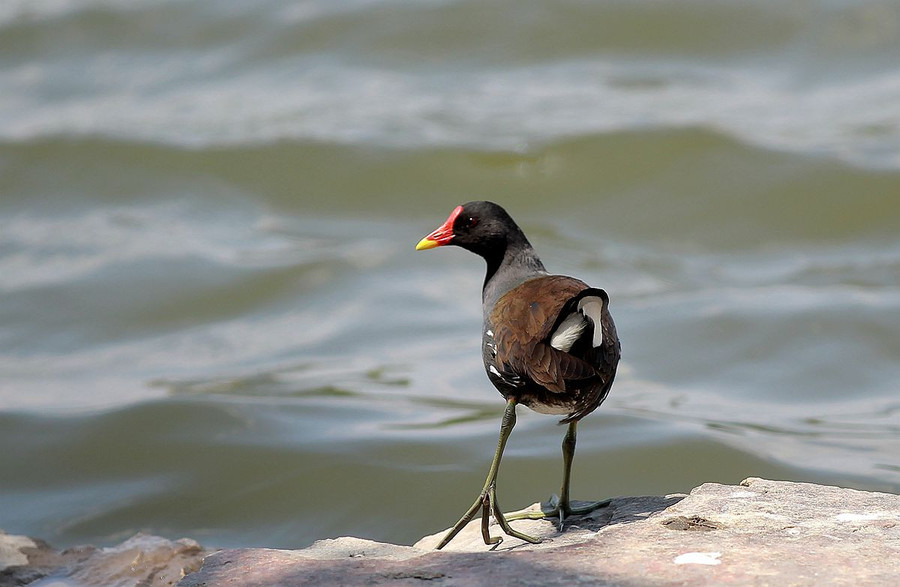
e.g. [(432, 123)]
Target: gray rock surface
[(142, 560), (758, 533)]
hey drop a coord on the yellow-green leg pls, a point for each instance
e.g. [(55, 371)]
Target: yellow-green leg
[(487, 499), (561, 507)]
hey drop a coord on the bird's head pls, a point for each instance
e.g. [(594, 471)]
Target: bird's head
[(481, 227)]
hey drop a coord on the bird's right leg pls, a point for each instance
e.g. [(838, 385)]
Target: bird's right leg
[(487, 500), (561, 508)]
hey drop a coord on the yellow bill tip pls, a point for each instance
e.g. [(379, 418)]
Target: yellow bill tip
[(427, 243)]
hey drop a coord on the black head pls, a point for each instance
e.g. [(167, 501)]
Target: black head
[(482, 227)]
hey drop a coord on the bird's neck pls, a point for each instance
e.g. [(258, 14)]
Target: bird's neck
[(506, 269)]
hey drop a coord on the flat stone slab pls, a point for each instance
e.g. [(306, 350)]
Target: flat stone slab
[(758, 533)]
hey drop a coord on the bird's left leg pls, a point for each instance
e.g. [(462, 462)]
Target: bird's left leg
[(560, 507), (487, 500)]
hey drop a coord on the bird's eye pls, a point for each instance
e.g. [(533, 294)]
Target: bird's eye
[(470, 221)]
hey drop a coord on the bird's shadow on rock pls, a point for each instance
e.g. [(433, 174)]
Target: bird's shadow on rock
[(621, 510)]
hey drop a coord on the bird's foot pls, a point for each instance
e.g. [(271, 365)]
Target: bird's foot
[(555, 510), (487, 502)]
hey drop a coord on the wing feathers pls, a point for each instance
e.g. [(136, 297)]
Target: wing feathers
[(550, 330)]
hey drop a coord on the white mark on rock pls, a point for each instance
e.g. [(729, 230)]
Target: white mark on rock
[(698, 558), (742, 494)]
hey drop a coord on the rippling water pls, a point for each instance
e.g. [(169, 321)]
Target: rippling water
[(213, 322)]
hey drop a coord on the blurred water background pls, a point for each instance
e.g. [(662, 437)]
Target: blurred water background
[(213, 322)]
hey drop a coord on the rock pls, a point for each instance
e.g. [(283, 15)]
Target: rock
[(142, 560), (576, 531), (759, 533)]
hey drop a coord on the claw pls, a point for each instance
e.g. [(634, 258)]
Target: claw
[(487, 499), (487, 502), (553, 509)]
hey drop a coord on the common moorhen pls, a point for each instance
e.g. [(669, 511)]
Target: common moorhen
[(549, 343)]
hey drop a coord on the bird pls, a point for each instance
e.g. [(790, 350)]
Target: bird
[(548, 342)]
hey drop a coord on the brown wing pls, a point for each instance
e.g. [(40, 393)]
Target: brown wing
[(522, 321), (552, 368)]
